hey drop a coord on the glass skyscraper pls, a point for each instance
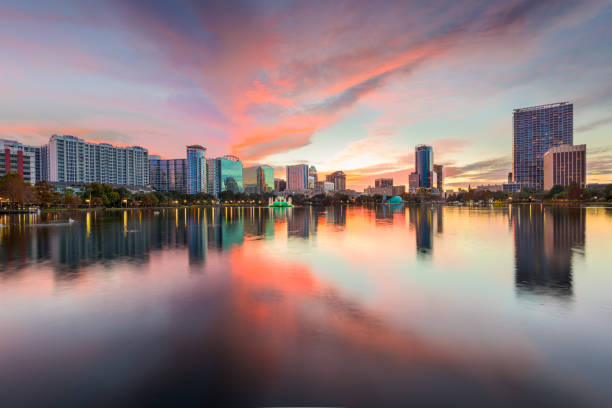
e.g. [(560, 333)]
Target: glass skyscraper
[(258, 179), (225, 174), (535, 130), (196, 169), (168, 174), (423, 159)]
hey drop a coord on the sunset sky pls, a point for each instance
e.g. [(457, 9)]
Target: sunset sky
[(342, 85)]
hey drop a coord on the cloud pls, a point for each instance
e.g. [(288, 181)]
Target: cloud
[(593, 125), (495, 169), (260, 79), (599, 161)]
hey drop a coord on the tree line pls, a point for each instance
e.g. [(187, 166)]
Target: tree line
[(572, 192), (14, 190)]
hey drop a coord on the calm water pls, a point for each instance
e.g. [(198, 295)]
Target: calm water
[(337, 306)]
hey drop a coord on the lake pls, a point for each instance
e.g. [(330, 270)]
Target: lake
[(342, 306)]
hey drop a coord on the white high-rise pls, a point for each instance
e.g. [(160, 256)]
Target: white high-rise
[(73, 160)]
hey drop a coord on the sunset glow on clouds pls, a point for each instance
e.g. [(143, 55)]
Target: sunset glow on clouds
[(342, 85)]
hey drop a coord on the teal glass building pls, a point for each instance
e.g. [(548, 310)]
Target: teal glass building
[(225, 174)]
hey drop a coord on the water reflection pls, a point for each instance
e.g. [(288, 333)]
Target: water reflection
[(341, 306), (421, 218), (545, 241)]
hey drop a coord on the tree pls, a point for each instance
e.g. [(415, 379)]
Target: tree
[(97, 202), (226, 195), (46, 193), (70, 199), (149, 200), (15, 189)]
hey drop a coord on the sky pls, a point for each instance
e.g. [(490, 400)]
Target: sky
[(341, 85)]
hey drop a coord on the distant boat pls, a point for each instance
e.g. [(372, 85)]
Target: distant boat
[(155, 212)]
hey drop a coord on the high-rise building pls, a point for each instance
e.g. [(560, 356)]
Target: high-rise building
[(413, 181), (279, 185), (297, 177), (212, 176), (251, 179), (196, 169), (510, 177), (225, 174), (339, 180), (423, 155), (439, 170), (258, 179), (42, 162), (73, 160), (535, 130), (383, 182), (324, 186), (312, 177), (168, 174), (18, 158), (563, 165)]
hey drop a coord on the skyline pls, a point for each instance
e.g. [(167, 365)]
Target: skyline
[(355, 86)]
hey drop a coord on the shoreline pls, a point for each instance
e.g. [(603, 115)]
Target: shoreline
[(467, 205)]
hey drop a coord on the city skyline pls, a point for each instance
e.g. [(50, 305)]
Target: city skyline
[(136, 75)]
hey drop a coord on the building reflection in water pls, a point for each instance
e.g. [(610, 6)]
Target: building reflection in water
[(421, 218), (98, 237), (301, 223), (545, 240), (336, 215)]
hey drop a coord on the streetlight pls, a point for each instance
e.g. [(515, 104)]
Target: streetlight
[(125, 202)]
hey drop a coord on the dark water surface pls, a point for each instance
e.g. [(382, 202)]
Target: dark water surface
[(308, 307)]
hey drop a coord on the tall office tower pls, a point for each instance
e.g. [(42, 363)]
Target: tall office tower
[(297, 177), (339, 180), (312, 177), (565, 164), (212, 176), (267, 179), (18, 158), (168, 174), (73, 160), (439, 170), (383, 182), (42, 162), (423, 155), (196, 169), (251, 179), (510, 177), (225, 174), (413, 181), (535, 130), (279, 185), (258, 179)]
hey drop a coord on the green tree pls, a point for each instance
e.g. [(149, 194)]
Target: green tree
[(226, 196), (70, 199)]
